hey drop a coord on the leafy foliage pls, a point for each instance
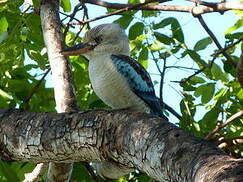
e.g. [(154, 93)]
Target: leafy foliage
[(154, 38)]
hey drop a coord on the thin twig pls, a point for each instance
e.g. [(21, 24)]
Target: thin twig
[(209, 65), (171, 110), (228, 47), (85, 15), (127, 8), (194, 74), (211, 34), (36, 86), (76, 9), (182, 67), (228, 121), (162, 76), (67, 15)]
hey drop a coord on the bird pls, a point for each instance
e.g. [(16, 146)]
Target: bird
[(118, 80)]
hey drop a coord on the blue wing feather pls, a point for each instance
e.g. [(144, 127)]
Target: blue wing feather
[(139, 81)]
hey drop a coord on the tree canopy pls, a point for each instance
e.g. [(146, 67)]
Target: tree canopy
[(213, 83)]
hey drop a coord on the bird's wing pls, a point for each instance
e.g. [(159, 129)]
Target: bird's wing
[(138, 80)]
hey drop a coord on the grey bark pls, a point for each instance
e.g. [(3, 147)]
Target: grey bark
[(61, 76), (124, 138)]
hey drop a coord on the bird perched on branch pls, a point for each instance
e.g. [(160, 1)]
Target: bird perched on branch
[(118, 80)]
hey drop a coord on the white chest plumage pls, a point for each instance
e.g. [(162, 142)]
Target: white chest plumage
[(111, 86)]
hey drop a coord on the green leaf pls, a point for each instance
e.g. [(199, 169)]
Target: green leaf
[(66, 5), (229, 68), (209, 120), (136, 30), (163, 38), (221, 93), (202, 44), (3, 24), (195, 80), (134, 1), (143, 57), (206, 92), (236, 35), (124, 21), (238, 24), (218, 74), (187, 110), (36, 3), (80, 172), (240, 94), (34, 31), (187, 86), (147, 13), (196, 57), (163, 23), (4, 94), (8, 172), (156, 46), (177, 32)]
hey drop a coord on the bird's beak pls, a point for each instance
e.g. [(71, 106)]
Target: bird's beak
[(78, 49)]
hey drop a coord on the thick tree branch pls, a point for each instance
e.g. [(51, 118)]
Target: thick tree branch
[(124, 138), (196, 10), (60, 66), (61, 76)]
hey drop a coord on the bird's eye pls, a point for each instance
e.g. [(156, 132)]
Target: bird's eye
[(98, 40)]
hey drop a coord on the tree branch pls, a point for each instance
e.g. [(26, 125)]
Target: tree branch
[(211, 34), (121, 10), (209, 65), (228, 121), (123, 138), (172, 111), (228, 47), (36, 173), (61, 75), (33, 91), (196, 10)]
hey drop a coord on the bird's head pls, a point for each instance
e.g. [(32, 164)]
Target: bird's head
[(100, 40)]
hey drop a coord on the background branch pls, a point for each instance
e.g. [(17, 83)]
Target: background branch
[(211, 34), (33, 91), (217, 7), (228, 121)]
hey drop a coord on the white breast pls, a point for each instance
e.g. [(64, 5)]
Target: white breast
[(111, 87)]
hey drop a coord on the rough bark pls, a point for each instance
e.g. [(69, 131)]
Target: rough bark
[(61, 76), (127, 139)]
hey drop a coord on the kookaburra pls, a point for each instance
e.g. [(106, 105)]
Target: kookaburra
[(118, 80)]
